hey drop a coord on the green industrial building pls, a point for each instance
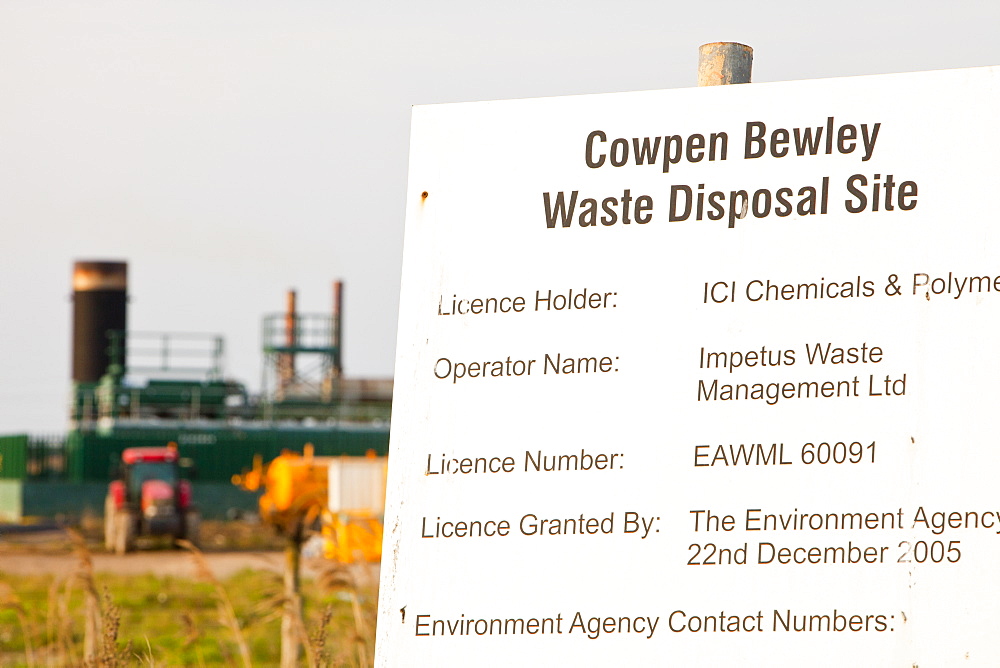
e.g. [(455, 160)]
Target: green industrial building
[(150, 389)]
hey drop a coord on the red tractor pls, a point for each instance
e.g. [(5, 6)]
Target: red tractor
[(149, 498)]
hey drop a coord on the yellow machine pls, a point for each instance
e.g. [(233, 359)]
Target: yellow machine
[(352, 527), (346, 495)]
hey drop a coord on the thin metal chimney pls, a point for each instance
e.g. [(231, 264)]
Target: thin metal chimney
[(337, 335), (286, 361)]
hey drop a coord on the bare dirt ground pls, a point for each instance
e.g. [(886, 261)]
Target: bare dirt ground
[(175, 563), (44, 552)]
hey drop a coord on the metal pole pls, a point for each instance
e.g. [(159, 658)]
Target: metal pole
[(722, 63), (338, 331)]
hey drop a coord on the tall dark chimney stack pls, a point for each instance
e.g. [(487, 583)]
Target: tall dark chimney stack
[(99, 307)]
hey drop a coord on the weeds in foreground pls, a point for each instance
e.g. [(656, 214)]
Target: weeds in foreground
[(110, 654), (349, 583), (168, 621), (227, 614)]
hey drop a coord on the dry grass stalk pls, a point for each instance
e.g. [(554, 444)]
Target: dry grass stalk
[(342, 578), (9, 600), (270, 608), (317, 643), (300, 630), (191, 630), (149, 654), (361, 628), (54, 623), (61, 620), (278, 604), (110, 655), (84, 575), (226, 652), (227, 614)]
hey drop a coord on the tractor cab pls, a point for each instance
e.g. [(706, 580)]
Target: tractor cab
[(143, 465)]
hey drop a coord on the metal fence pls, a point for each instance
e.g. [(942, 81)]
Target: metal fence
[(24, 457)]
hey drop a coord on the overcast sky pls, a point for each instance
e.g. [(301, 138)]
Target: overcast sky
[(230, 151)]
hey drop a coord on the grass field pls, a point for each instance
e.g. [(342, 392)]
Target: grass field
[(61, 619)]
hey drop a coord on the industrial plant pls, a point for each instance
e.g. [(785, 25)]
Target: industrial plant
[(131, 388)]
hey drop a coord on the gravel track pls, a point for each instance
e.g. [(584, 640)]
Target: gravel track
[(43, 552)]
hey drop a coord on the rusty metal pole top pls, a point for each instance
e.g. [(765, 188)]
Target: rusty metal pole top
[(722, 63)]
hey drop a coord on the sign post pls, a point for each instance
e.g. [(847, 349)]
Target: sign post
[(700, 377)]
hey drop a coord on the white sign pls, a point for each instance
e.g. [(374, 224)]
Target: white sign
[(700, 377)]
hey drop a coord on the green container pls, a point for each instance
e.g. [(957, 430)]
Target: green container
[(69, 501), (13, 457), (217, 452)]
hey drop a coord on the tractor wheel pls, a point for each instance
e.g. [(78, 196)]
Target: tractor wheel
[(109, 524), (124, 533), (192, 527)]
